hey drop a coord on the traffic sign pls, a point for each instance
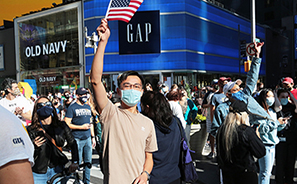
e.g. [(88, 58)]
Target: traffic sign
[(250, 49)]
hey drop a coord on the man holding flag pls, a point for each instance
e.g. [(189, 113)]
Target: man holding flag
[(128, 137)]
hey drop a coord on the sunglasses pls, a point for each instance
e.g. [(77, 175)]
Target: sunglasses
[(39, 105)]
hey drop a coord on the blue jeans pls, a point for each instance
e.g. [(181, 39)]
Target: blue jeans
[(85, 151), (43, 178), (266, 164)]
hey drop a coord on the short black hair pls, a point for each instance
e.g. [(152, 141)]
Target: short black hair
[(7, 83), (125, 75)]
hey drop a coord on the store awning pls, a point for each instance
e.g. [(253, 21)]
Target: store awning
[(25, 89)]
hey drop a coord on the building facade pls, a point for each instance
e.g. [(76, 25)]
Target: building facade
[(167, 41)]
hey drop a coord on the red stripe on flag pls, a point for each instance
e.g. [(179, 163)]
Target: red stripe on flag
[(119, 19), (126, 10), (121, 14)]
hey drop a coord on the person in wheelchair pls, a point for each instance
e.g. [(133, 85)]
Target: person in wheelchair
[(48, 135)]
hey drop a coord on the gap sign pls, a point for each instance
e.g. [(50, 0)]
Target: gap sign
[(141, 35)]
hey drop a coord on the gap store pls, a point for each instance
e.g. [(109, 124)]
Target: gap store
[(169, 41)]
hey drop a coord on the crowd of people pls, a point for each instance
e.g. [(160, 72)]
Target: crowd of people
[(135, 130)]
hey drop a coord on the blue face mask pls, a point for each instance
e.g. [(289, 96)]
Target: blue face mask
[(238, 95), (130, 97), (270, 101), (284, 101), (45, 111)]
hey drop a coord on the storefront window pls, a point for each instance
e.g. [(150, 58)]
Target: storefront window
[(53, 80), (49, 50)]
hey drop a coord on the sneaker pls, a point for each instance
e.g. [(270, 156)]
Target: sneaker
[(211, 155)]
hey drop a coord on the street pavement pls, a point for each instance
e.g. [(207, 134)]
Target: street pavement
[(207, 169)]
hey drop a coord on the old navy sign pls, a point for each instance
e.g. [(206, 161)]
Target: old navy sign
[(141, 35), (46, 49)]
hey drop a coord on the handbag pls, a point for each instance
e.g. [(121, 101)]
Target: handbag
[(187, 168), (57, 151)]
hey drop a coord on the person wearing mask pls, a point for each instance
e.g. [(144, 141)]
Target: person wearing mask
[(129, 138), (286, 149), (79, 119), (148, 87), (268, 133), (237, 145), (48, 133), (68, 99), (59, 108), (166, 159), (13, 102)]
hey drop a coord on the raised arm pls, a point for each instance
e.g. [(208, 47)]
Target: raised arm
[(97, 67)]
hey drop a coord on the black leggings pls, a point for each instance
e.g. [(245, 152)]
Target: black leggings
[(235, 177)]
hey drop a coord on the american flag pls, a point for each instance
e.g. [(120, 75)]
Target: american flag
[(122, 9)]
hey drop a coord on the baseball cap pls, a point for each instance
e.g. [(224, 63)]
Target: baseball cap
[(228, 87), (288, 80), (222, 79), (81, 91), (215, 81)]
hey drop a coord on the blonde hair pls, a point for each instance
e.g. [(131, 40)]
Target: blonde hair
[(229, 130)]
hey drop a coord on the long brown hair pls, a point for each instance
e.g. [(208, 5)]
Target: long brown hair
[(36, 120)]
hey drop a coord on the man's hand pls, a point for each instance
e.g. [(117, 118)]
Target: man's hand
[(142, 179), (93, 142), (18, 111), (103, 31), (86, 126), (258, 47)]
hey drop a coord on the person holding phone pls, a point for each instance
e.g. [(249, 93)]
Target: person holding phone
[(286, 149), (268, 129), (44, 128)]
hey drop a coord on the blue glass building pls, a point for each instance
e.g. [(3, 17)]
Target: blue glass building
[(196, 38)]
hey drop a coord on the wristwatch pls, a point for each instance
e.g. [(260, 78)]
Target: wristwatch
[(148, 175)]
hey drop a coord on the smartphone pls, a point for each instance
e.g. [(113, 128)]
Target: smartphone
[(40, 133)]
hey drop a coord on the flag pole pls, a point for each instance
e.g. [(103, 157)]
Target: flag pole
[(108, 8)]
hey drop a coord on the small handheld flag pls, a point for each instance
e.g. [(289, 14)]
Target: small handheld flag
[(122, 9)]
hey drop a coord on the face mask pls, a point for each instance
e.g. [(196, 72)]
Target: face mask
[(270, 101), (237, 96), (284, 101), (130, 97), (45, 111), (55, 103), (83, 99), (16, 92)]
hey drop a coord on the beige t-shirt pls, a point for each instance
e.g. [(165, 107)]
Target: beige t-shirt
[(126, 138)]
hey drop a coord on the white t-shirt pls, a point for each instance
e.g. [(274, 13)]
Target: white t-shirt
[(15, 143), (19, 101), (178, 112)]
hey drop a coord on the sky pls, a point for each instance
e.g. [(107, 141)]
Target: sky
[(9, 9)]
